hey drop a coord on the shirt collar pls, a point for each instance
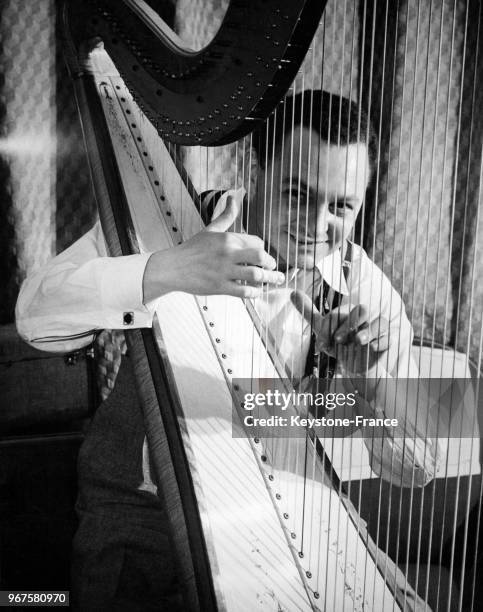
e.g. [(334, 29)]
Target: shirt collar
[(331, 270)]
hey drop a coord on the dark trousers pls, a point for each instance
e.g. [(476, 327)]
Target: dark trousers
[(122, 558)]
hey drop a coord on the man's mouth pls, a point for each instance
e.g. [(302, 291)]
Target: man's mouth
[(307, 241)]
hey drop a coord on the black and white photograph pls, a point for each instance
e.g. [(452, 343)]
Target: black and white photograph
[(241, 325)]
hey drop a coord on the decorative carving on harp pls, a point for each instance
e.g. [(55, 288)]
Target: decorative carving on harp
[(257, 521)]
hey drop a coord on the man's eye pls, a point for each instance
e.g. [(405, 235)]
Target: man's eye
[(294, 195), (340, 206)]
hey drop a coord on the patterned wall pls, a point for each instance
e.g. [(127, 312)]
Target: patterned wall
[(467, 245), (412, 65), (46, 198), (421, 101), (417, 94), (423, 225), (27, 99), (76, 208)]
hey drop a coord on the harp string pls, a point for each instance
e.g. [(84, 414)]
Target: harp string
[(311, 467), (307, 221), (362, 214), (368, 96), (386, 544), (295, 266), (297, 376), (452, 225), (267, 218), (418, 554), (480, 492), (433, 150), (409, 179), (329, 57), (370, 79), (472, 276), (453, 195), (335, 196), (376, 181), (440, 231), (392, 276), (405, 273), (425, 281), (475, 424), (349, 441)]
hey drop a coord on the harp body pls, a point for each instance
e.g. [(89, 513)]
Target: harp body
[(253, 550), (238, 508)]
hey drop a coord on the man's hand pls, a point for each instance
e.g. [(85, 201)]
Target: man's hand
[(213, 262), (351, 336)]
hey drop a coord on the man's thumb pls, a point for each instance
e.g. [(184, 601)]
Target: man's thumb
[(226, 218)]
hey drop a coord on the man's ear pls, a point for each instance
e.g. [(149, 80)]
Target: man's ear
[(249, 169), (254, 172)]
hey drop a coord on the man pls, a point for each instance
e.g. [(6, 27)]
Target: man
[(312, 164), (314, 179)]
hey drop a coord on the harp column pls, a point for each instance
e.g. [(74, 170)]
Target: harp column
[(336, 41)]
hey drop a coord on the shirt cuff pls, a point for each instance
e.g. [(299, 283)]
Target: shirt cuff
[(122, 292)]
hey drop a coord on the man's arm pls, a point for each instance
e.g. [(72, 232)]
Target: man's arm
[(62, 305), (407, 455), (81, 291)]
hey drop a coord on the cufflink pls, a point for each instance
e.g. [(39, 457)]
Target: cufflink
[(128, 318)]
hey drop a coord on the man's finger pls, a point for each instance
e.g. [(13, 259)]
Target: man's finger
[(381, 344), (357, 317), (256, 276), (250, 241), (226, 218), (364, 335), (254, 257), (305, 306), (243, 291), (376, 334)]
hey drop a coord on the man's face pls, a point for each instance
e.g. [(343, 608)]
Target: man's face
[(309, 197)]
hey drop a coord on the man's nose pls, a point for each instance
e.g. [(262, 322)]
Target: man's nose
[(322, 221)]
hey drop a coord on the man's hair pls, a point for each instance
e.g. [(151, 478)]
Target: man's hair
[(336, 119)]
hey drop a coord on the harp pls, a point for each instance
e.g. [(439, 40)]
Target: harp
[(255, 522)]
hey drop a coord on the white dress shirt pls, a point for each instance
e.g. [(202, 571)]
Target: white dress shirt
[(82, 291), (65, 303)]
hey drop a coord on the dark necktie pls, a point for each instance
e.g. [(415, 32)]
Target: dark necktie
[(318, 363)]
